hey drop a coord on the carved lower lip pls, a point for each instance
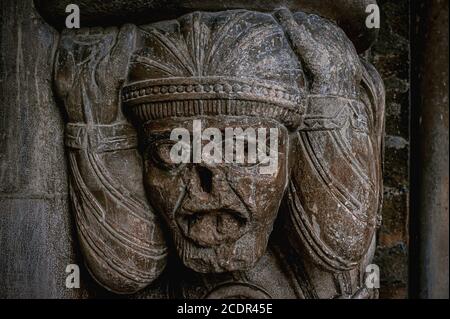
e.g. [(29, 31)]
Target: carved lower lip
[(213, 228)]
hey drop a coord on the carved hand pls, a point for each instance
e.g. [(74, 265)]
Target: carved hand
[(91, 66), (329, 56)]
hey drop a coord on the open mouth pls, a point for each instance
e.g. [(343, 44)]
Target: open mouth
[(212, 228)]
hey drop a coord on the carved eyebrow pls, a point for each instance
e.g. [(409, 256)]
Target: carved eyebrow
[(157, 136)]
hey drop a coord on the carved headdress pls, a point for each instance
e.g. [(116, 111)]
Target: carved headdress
[(215, 64)]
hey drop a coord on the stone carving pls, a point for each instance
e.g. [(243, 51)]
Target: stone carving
[(224, 230), (118, 232)]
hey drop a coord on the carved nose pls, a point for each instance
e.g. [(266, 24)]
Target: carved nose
[(209, 191), (205, 177)]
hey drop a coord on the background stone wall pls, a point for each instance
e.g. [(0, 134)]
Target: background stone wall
[(35, 224), (36, 229), (390, 55)]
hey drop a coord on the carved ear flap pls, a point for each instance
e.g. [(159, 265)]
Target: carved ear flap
[(335, 187)]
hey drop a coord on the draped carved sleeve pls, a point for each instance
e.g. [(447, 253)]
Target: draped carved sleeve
[(119, 234)]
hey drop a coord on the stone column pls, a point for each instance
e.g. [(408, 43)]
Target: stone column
[(429, 217)]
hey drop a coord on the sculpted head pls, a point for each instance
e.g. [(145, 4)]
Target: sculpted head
[(220, 214), (190, 77), (238, 70)]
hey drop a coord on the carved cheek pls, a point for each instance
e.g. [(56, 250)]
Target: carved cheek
[(263, 192), (271, 189), (163, 189)]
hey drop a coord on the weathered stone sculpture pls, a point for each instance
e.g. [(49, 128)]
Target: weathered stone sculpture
[(120, 238), (306, 230)]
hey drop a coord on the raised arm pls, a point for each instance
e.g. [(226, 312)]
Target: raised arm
[(119, 234), (336, 186)]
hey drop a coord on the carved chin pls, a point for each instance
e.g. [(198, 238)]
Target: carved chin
[(241, 254)]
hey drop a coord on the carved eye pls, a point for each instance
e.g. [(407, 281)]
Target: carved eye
[(159, 153), (248, 152), (267, 145)]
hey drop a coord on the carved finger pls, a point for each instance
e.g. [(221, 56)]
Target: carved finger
[(93, 63), (112, 47), (64, 72), (312, 52), (123, 48)]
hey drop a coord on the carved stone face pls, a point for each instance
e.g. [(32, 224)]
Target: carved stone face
[(220, 215)]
